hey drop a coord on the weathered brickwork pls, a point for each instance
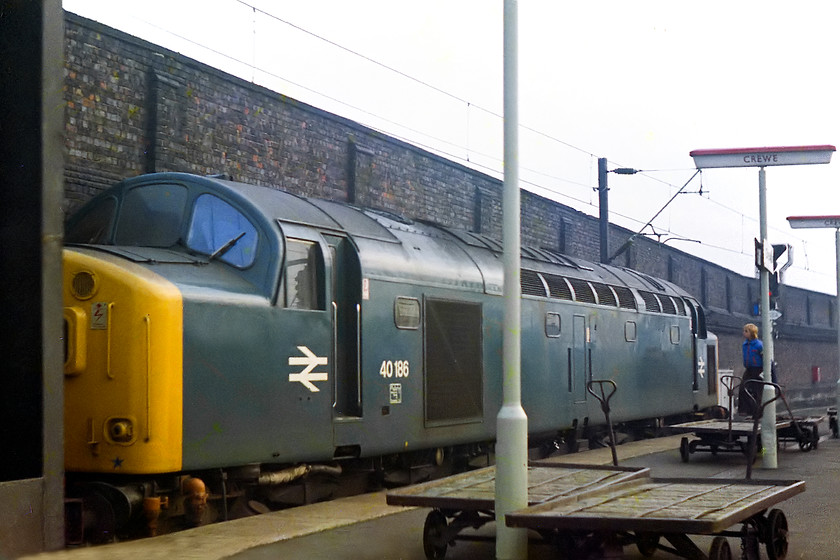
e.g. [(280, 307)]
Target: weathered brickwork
[(133, 107)]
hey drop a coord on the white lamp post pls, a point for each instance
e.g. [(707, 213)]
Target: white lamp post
[(511, 422)]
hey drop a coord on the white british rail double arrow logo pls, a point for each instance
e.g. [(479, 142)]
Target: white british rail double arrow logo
[(306, 377)]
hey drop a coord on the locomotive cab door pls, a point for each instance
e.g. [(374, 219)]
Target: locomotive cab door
[(345, 306)]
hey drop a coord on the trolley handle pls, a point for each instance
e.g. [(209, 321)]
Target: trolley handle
[(779, 395), (732, 383), (759, 412), (761, 405), (603, 398)]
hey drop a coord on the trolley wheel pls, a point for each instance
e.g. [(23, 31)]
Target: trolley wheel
[(684, 450), (776, 537), (809, 439), (434, 535), (647, 543), (749, 541), (720, 549), (805, 444)]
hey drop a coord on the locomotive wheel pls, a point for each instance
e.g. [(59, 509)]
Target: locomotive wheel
[(647, 543), (434, 535), (775, 539), (720, 549), (684, 450)]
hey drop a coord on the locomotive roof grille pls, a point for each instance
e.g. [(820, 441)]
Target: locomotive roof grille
[(626, 299), (562, 259), (558, 287), (651, 301), (543, 284), (532, 284), (605, 295), (667, 305), (583, 291), (470, 238), (649, 279)]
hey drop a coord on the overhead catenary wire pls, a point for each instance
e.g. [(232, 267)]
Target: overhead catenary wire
[(437, 144), (471, 105)]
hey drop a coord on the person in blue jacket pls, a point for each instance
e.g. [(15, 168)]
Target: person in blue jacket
[(749, 395)]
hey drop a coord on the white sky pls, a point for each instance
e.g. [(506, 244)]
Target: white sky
[(641, 83)]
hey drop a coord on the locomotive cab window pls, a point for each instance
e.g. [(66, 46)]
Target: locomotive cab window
[(303, 277), (218, 229), (95, 226), (151, 216)]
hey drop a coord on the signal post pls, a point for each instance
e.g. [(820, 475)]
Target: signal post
[(761, 158), (825, 222)]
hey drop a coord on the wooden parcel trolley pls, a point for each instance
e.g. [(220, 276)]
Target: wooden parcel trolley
[(467, 500), (649, 508), (591, 510)]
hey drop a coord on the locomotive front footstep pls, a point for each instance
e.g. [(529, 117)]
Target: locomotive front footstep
[(743, 436), (594, 511)]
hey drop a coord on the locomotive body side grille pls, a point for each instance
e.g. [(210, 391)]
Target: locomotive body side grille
[(453, 357)]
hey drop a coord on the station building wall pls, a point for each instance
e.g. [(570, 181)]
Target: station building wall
[(133, 107)]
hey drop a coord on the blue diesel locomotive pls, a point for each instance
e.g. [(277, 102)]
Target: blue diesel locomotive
[(248, 336)]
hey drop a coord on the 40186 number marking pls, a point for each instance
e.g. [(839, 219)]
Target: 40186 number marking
[(394, 368)]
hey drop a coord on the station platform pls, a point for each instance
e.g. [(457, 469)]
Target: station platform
[(365, 527)]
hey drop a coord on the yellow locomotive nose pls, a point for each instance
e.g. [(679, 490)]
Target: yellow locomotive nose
[(123, 332)]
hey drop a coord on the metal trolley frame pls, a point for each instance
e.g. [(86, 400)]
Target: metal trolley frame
[(728, 435), (467, 500)]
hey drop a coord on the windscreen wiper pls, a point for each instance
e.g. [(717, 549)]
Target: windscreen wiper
[(226, 247)]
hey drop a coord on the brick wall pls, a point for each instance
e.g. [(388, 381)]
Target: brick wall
[(133, 107)]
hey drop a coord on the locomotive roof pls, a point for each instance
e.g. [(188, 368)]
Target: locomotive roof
[(481, 270)]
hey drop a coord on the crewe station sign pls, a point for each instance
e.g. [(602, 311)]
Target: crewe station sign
[(762, 157), (803, 222)]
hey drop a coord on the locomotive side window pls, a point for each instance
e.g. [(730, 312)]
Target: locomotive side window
[(630, 331), (301, 279), (675, 334), (218, 227), (151, 216), (552, 325), (407, 313)]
